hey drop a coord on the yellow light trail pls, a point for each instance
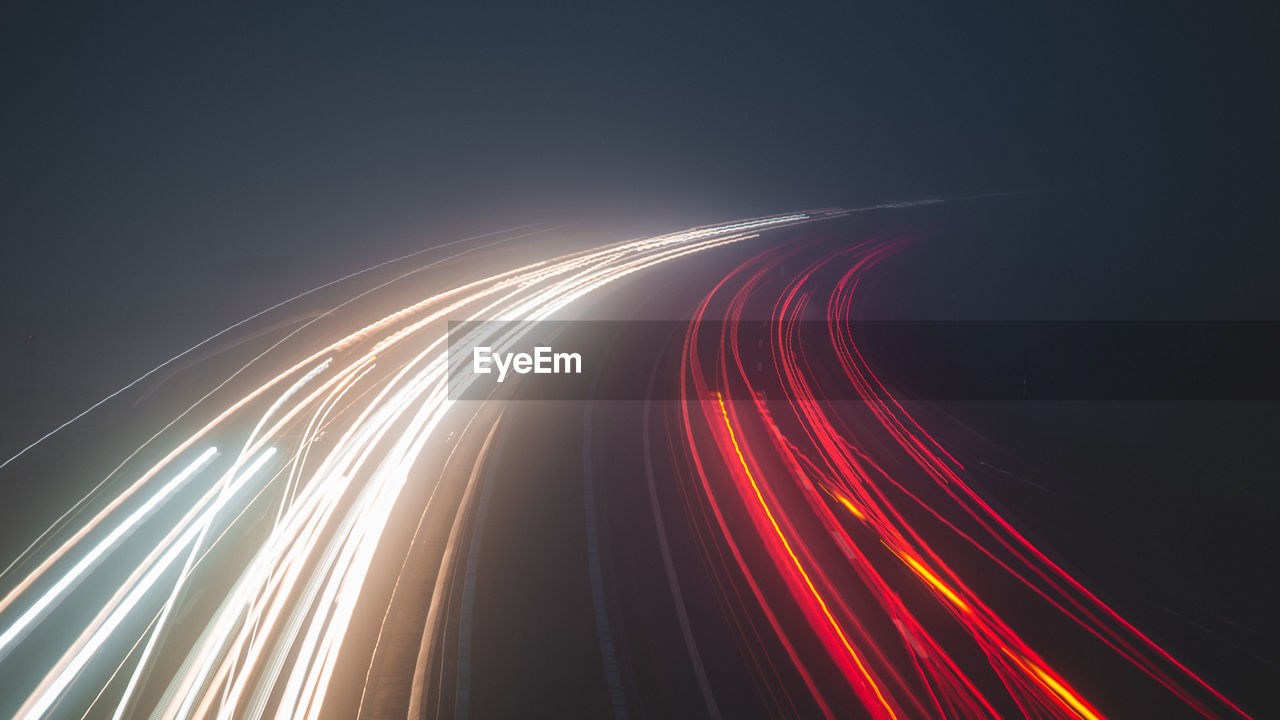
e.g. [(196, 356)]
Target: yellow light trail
[(933, 580), (799, 567), (1063, 692)]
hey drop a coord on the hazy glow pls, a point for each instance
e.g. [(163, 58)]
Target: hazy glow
[(276, 634)]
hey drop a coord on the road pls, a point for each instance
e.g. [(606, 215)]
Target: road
[(325, 532)]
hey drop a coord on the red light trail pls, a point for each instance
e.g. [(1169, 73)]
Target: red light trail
[(793, 474)]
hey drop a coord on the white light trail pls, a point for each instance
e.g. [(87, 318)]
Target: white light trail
[(40, 702), (45, 603), (272, 643)]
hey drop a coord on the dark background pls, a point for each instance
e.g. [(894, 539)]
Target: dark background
[(166, 171)]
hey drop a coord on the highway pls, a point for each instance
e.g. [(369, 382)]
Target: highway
[(324, 531)]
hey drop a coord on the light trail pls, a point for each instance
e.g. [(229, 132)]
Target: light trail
[(51, 689), (795, 477), (37, 610), (230, 328), (271, 644), (266, 585), (876, 700)]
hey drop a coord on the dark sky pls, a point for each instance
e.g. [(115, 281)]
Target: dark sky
[(164, 153)]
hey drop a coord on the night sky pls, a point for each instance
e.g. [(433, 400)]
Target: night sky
[(165, 171)]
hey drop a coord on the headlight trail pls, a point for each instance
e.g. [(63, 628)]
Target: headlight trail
[(284, 600), (67, 581), (229, 329), (55, 683), (789, 483), (229, 585)]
